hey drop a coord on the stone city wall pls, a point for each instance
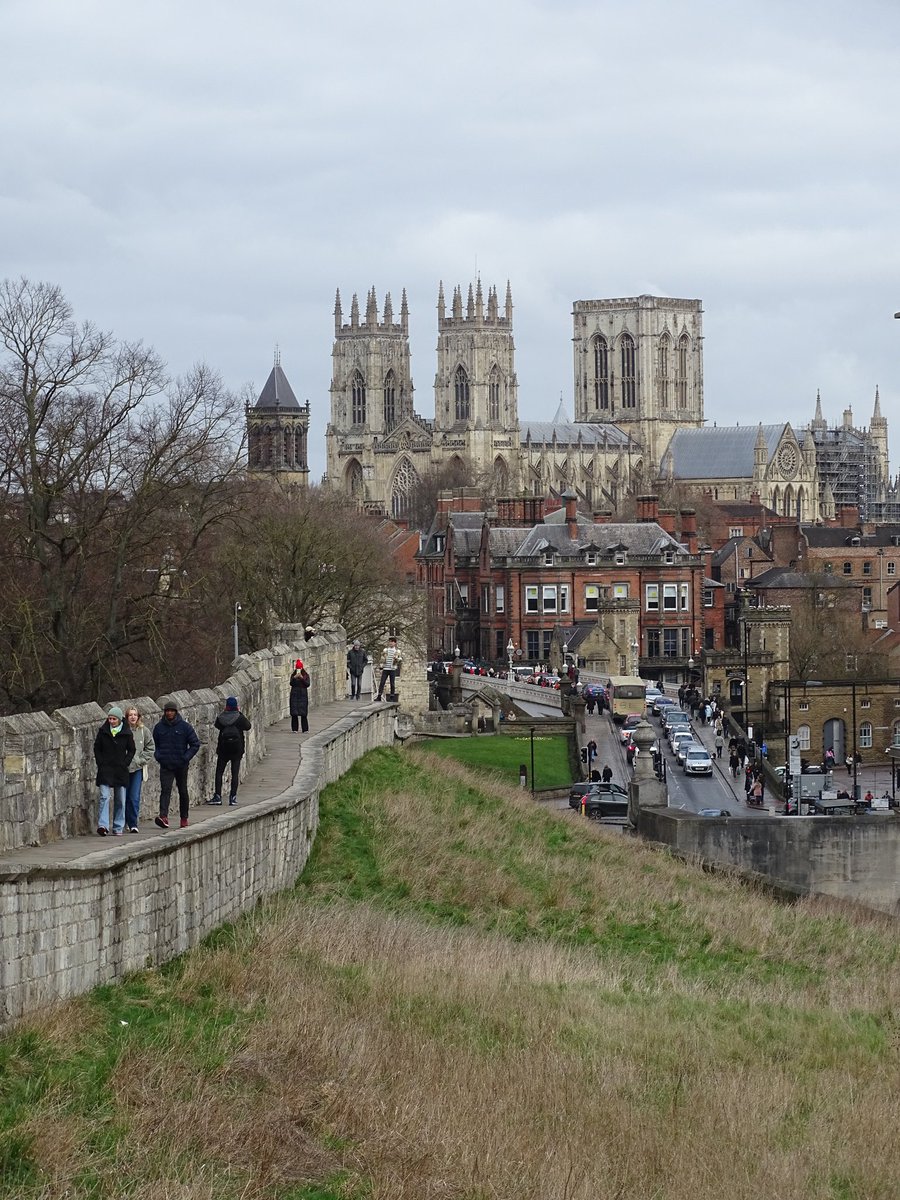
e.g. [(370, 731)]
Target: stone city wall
[(47, 769), (67, 928)]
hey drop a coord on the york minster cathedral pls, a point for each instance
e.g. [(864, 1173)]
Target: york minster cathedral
[(637, 406)]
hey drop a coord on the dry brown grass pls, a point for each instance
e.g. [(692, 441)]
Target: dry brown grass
[(608, 1023)]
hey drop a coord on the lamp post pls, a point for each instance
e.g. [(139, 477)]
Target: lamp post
[(237, 609), (532, 760), (510, 650), (634, 657)]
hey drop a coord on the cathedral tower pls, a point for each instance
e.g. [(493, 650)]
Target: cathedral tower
[(639, 365), (277, 431)]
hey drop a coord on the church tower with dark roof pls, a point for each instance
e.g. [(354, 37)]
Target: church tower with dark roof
[(277, 431)]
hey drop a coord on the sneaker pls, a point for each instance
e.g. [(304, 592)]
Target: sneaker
[(184, 823), (133, 829), (232, 801), (118, 832), (102, 831), (162, 822), (215, 800)]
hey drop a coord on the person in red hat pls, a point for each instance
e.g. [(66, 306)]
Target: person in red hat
[(299, 703)]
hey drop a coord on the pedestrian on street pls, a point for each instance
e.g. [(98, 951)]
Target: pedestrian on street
[(719, 744), (391, 660), (356, 664), (592, 750), (299, 698), (733, 764), (137, 768), (230, 747), (113, 751), (607, 773), (589, 703), (176, 743)]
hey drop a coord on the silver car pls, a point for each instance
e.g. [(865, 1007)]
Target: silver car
[(697, 761)]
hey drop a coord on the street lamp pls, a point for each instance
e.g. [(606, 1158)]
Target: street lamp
[(237, 609), (510, 650), (456, 651), (634, 657)]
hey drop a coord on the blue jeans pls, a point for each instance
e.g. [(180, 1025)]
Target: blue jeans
[(133, 798), (118, 807)]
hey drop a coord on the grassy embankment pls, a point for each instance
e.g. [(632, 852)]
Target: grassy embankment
[(469, 997)]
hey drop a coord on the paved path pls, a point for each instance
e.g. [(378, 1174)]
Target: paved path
[(267, 779)]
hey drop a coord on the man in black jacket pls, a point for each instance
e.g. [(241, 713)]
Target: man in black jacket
[(356, 664), (176, 744), (232, 725)]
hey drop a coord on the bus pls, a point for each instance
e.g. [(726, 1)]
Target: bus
[(625, 694)]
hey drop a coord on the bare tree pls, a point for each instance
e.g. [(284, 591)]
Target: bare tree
[(112, 477)]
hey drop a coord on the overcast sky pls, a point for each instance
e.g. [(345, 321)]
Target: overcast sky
[(204, 174)]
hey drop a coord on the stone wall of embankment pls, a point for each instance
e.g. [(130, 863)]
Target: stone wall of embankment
[(852, 858), (66, 928)]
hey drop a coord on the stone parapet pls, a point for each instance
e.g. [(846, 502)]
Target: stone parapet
[(47, 769)]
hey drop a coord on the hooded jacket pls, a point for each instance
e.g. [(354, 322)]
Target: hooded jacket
[(231, 719), (112, 754)]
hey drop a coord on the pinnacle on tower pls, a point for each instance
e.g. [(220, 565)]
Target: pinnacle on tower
[(818, 419), (470, 305), (509, 305), (404, 313), (372, 310), (441, 306), (354, 312), (479, 301), (388, 309), (338, 316), (876, 414), (457, 303), (492, 304)]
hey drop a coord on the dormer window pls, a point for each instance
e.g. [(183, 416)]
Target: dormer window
[(439, 543), (620, 558), (591, 558), (669, 557), (548, 557)]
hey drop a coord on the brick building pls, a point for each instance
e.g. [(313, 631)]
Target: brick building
[(624, 596)]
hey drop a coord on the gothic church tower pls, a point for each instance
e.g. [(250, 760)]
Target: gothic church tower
[(376, 445), (476, 413), (639, 365)]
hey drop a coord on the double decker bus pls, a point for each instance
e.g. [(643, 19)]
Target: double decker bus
[(626, 694)]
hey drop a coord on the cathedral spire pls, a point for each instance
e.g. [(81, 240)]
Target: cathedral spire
[(354, 312), (372, 310), (508, 301), (457, 303), (876, 414), (337, 311), (492, 304), (470, 305), (404, 313), (441, 306), (479, 301), (388, 309)]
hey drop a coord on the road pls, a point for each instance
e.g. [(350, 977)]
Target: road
[(690, 792)]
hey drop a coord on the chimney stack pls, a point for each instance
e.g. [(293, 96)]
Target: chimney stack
[(689, 528), (571, 520), (648, 508)]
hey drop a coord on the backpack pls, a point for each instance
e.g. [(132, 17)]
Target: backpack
[(229, 741)]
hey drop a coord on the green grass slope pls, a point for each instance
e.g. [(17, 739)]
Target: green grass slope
[(470, 997)]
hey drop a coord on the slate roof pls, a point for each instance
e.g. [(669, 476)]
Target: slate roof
[(725, 451), (637, 538), (277, 392), (836, 536), (787, 577), (570, 433)]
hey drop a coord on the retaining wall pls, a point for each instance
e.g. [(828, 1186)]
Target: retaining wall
[(854, 858), (47, 769)]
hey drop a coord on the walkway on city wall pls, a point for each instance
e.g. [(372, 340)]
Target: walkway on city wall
[(82, 911)]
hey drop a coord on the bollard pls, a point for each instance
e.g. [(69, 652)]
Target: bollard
[(523, 776), (584, 805)]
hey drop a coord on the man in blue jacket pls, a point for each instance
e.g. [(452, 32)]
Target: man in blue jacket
[(176, 744)]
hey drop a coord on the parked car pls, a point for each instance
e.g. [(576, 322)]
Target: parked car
[(661, 703), (630, 723), (675, 730), (714, 812), (606, 800), (675, 716), (606, 795), (697, 761)]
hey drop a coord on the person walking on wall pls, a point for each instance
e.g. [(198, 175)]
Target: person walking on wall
[(143, 754), (299, 702), (113, 751), (232, 725), (391, 659), (176, 744), (356, 664)]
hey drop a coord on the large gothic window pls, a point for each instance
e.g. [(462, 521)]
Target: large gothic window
[(601, 373), (494, 394), (354, 479), (405, 480), (390, 401), (461, 393), (663, 370), (299, 449), (358, 394), (287, 459), (255, 448), (629, 382), (681, 371)]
